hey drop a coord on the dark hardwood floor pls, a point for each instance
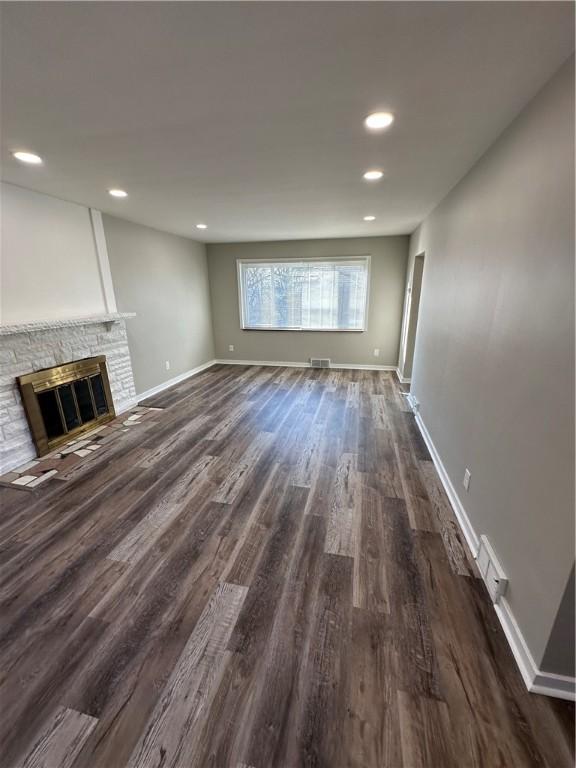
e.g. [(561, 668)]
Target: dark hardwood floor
[(267, 575)]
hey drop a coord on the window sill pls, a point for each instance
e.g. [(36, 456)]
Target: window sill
[(306, 330)]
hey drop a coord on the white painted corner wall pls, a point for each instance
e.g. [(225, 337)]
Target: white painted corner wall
[(103, 260), (54, 260)]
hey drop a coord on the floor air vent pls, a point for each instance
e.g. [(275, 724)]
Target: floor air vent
[(319, 362)]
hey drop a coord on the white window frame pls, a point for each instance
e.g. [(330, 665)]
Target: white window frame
[(322, 259)]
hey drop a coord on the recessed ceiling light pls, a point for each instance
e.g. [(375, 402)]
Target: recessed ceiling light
[(117, 193), (378, 121), (27, 157), (373, 175), (369, 218), (201, 226)]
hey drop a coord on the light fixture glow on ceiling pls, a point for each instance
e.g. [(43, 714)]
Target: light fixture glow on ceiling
[(373, 175), (117, 193), (28, 157), (369, 218), (378, 121), (201, 226)]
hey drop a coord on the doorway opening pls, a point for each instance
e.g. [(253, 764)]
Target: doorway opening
[(412, 311)]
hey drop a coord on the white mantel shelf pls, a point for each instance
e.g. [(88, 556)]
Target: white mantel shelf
[(46, 325)]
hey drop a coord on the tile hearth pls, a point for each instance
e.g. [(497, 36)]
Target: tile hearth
[(55, 465)]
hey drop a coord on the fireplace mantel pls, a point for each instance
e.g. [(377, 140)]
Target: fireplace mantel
[(46, 325)]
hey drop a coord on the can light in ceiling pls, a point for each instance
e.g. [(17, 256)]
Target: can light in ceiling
[(28, 157), (201, 226), (379, 121), (373, 175), (117, 193), (369, 218)]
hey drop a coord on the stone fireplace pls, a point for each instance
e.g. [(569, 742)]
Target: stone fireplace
[(32, 347), (64, 401)]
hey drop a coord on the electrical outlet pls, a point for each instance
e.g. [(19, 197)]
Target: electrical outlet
[(466, 481), (167, 365), (230, 347), (376, 353)]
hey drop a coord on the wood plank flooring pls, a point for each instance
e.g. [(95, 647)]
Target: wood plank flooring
[(270, 576)]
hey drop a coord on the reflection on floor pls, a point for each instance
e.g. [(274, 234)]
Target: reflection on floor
[(267, 574)]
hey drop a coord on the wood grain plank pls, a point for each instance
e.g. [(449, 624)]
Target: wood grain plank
[(270, 721), (218, 742), (318, 738), (61, 741), (170, 734), (382, 652), (250, 546), (459, 556), (344, 507), (425, 732), (309, 458), (379, 412), (135, 544), (371, 588), (479, 707), (238, 474), (28, 701), (372, 726), (420, 510)]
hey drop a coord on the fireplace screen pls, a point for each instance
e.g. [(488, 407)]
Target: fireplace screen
[(64, 401)]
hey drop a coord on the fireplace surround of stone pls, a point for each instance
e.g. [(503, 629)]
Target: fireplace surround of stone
[(30, 347)]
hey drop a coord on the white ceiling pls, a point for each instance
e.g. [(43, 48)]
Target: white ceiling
[(248, 116)]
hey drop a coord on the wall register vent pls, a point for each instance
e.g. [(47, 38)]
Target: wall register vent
[(491, 570)]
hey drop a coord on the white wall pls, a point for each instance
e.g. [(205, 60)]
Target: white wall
[(49, 266), (494, 357)]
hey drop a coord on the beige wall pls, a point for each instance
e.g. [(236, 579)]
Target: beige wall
[(49, 266), (494, 359), (389, 256), (164, 279)]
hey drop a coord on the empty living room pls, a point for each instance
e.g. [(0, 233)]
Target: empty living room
[(287, 386)]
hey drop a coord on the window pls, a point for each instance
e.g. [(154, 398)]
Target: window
[(311, 295)]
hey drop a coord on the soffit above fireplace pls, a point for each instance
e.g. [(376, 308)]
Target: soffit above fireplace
[(45, 325)]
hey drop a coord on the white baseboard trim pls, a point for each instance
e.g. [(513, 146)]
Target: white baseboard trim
[(401, 378), (467, 529), (170, 383), (360, 367), (413, 403), (284, 364), (536, 680), (125, 405), (274, 363)]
